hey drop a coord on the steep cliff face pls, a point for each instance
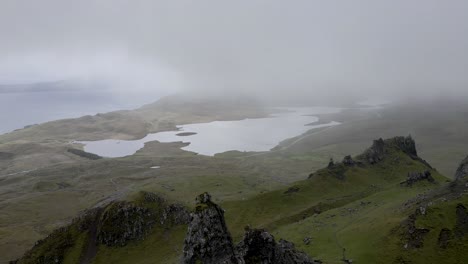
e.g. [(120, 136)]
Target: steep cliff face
[(462, 171), (380, 148), (208, 241), (113, 225), (123, 222)]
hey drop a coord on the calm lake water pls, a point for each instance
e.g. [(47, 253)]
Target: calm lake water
[(259, 134), (21, 109)]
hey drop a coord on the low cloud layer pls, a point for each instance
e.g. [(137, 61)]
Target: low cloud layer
[(266, 48)]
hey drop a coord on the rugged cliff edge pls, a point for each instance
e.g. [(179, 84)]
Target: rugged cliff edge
[(208, 241), (114, 225)]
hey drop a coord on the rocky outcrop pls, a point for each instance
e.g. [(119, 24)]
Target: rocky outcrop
[(461, 225), (445, 236), (208, 241), (112, 225), (414, 177), (258, 246), (414, 237), (406, 144), (175, 214), (168, 214), (377, 151), (348, 161), (124, 221), (462, 171)]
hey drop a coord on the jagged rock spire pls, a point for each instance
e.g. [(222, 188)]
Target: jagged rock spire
[(208, 241)]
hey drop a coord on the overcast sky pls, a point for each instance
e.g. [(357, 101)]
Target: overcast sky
[(390, 47)]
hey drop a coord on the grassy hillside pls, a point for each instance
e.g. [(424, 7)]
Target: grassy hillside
[(348, 210), (43, 185)]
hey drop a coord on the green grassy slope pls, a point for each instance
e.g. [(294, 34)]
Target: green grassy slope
[(355, 213), (345, 211), (43, 186)]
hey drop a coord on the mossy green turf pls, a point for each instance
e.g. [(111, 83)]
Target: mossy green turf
[(343, 222), (160, 246), (62, 246), (438, 216), (358, 213)]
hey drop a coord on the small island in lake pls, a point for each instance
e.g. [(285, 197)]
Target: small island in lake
[(186, 134)]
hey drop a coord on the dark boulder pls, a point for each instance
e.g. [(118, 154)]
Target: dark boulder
[(259, 246), (461, 226), (414, 177), (348, 161), (445, 236)]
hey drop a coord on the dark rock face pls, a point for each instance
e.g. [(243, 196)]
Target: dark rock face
[(170, 214), (331, 163), (348, 161), (406, 144), (113, 225), (208, 241), (123, 222), (175, 214), (445, 236), (376, 151), (414, 236), (461, 226), (258, 246), (414, 177), (462, 171)]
